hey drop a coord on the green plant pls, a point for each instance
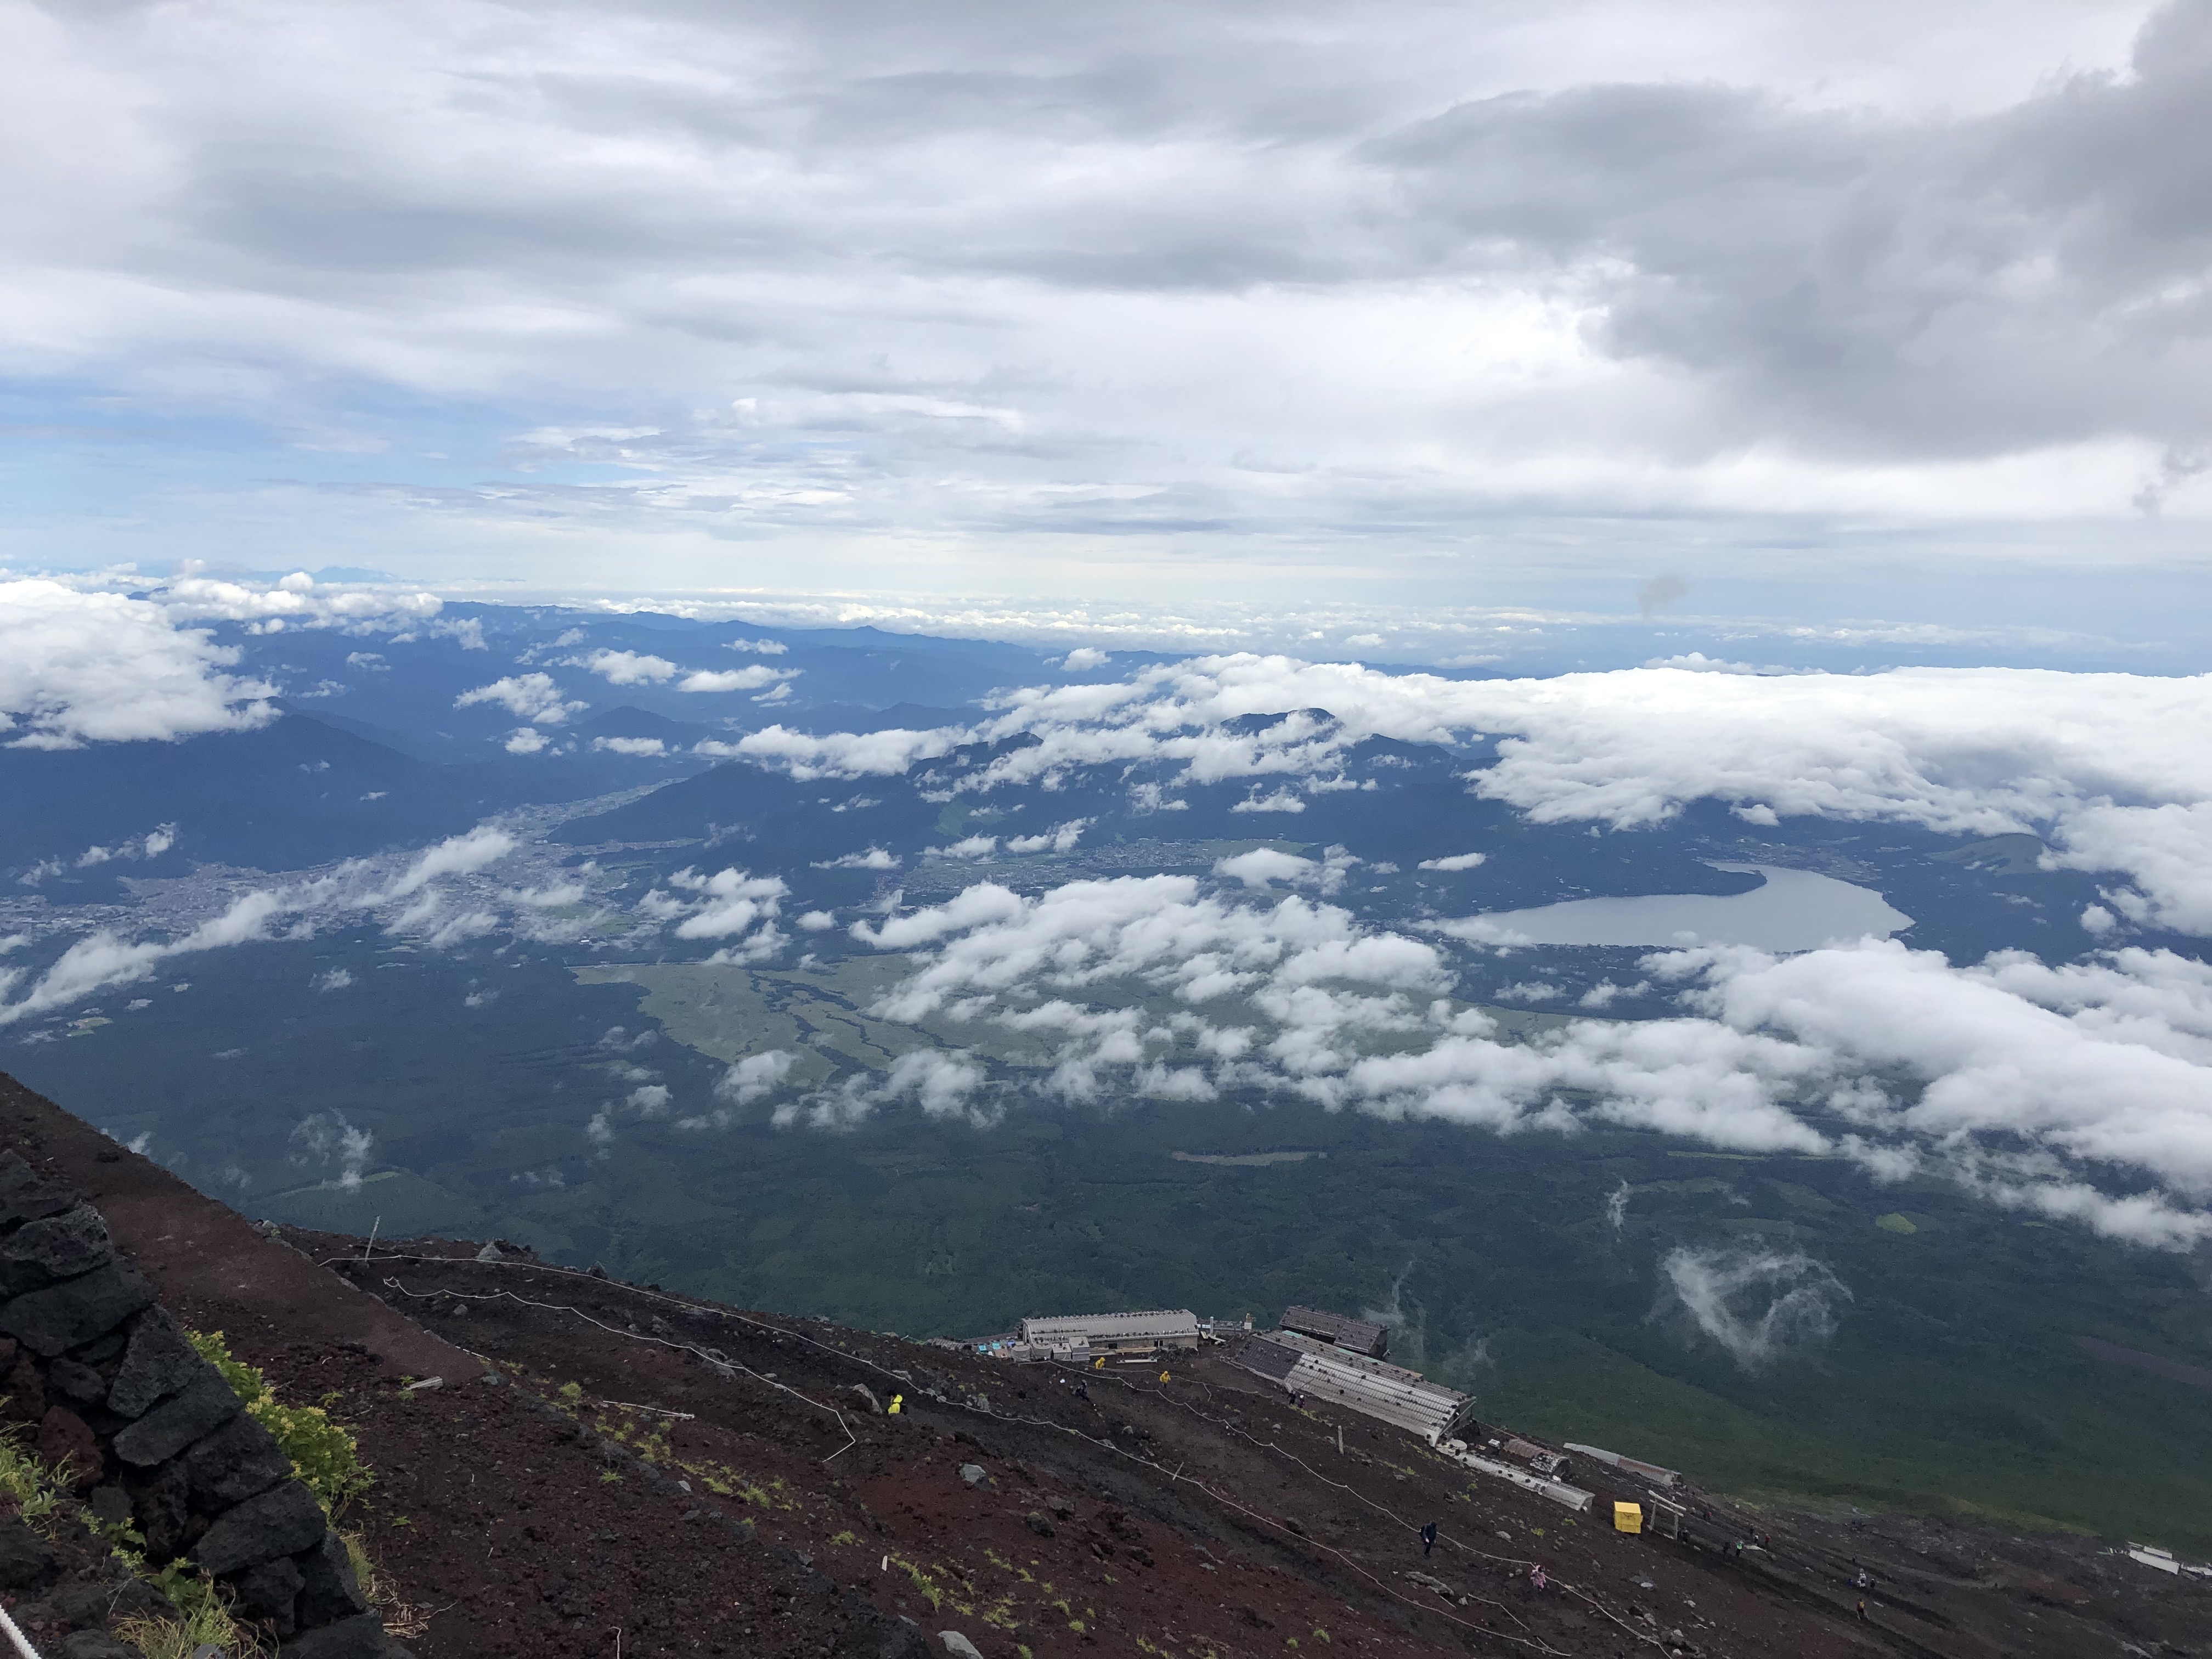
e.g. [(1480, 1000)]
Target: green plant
[(324, 1452), (203, 1620), (24, 1478)]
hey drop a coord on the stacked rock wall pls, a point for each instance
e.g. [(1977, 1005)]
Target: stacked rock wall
[(153, 1434)]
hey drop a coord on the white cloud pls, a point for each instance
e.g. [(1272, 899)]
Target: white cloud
[(1263, 866), (816, 922), (1060, 838), (755, 1078), (102, 959), (532, 696), (327, 1139), (971, 846), (750, 678), (875, 858), (456, 855), (644, 748), (1083, 659), (2114, 770), (1458, 861), (627, 668), (78, 667), (1281, 801), (524, 740), (2084, 1090), (332, 979), (943, 1084)]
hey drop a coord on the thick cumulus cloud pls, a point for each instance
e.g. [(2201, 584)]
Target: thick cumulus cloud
[(2081, 1090), (1009, 276), (88, 667), (2114, 769)]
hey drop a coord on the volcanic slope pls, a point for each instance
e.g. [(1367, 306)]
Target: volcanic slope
[(704, 1479)]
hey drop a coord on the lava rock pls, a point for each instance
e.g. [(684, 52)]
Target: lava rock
[(959, 1645), (272, 1591), (110, 1506), (57, 1319), (25, 1389), (77, 1383), (207, 1403), (360, 1638), (58, 1247), (1038, 1524), (97, 1644), (877, 1637), (66, 1438), (329, 1591), (163, 1516), (91, 1605), (159, 1361), (231, 1464), (285, 1521), (25, 1558), (977, 1476), (24, 1197)]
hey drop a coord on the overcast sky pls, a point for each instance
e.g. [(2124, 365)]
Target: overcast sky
[(1880, 311)]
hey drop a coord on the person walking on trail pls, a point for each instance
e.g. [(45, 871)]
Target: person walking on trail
[(1862, 1612), (1536, 1575), (1428, 1537)]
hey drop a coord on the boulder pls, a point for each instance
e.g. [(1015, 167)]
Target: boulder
[(52, 1321), (207, 1403), (77, 1383), (163, 1516), (110, 1506), (330, 1590), (283, 1521), (65, 1439), (230, 1465), (875, 1637), (359, 1638), (24, 1197), (90, 1605), (25, 1389), (959, 1645), (159, 1361), (97, 1644), (25, 1558), (58, 1247), (270, 1591)]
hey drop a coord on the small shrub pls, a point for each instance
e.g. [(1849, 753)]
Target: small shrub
[(203, 1619), (23, 1476), (324, 1452)]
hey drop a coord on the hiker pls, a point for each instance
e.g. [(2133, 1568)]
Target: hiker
[(1862, 1616), (1536, 1575), (1428, 1537)]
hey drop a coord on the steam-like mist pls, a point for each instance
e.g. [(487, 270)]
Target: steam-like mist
[(1760, 1305)]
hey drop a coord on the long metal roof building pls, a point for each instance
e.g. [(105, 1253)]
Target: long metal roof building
[(1373, 1387), (1360, 1336), (1161, 1328)]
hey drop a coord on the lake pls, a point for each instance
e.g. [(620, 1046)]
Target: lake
[(1793, 910)]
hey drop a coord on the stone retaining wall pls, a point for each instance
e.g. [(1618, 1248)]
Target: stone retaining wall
[(153, 1434)]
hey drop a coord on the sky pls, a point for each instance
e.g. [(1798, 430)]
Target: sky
[(1827, 316)]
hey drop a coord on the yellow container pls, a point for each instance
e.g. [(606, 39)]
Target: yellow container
[(1628, 1517)]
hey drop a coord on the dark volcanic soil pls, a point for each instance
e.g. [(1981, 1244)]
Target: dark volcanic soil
[(598, 1458)]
